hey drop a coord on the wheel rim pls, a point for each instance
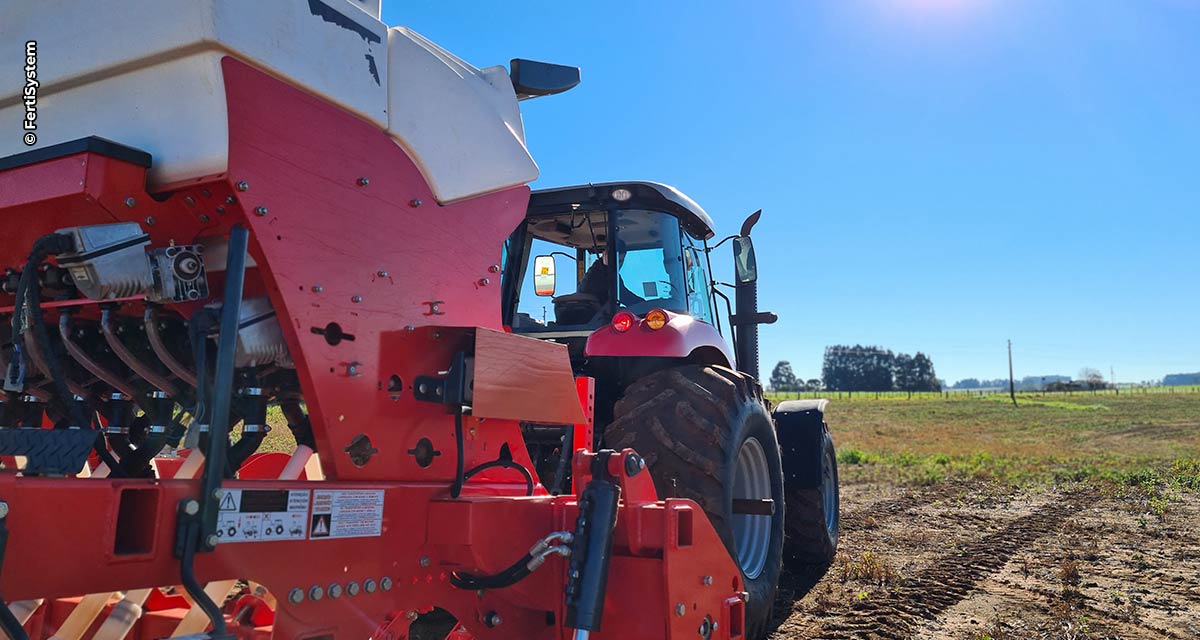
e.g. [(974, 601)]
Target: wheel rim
[(829, 495), (752, 533)]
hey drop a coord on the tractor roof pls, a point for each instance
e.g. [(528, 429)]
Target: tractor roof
[(652, 196)]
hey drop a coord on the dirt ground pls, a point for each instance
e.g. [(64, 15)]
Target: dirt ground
[(977, 561)]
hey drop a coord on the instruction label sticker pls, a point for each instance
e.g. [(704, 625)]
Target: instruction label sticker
[(346, 514), (262, 515)]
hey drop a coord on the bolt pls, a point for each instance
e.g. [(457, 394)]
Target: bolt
[(230, 200), (352, 370), (433, 308), (410, 328), (707, 581), (203, 217), (220, 210), (369, 585), (680, 609), (296, 596), (494, 268), (206, 193), (130, 202), (317, 288), (410, 614), (483, 282), (3, 510), (424, 561), (150, 221), (260, 211), (492, 619), (356, 299), (218, 494), (243, 186), (381, 273), (316, 593), (634, 465), (415, 202), (386, 584), (364, 181), (191, 202), (212, 540), (352, 588), (335, 591), (191, 507)]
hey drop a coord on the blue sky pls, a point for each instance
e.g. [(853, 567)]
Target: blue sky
[(935, 175)]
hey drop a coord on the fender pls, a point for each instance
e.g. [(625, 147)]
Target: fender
[(800, 427), (682, 337)]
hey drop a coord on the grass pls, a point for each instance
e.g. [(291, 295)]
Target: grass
[(1130, 439)]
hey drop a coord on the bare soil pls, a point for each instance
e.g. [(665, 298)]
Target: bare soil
[(979, 561)]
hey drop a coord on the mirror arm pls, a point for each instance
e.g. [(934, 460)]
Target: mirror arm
[(733, 332), (723, 241)]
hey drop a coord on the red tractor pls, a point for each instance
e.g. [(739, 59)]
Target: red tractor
[(640, 313)]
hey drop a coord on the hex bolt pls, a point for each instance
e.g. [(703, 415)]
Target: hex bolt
[(415, 202), (410, 614), (483, 282), (492, 619), (191, 202), (296, 595), (352, 588), (352, 370), (707, 581), (680, 609), (425, 561), (3, 510), (218, 494), (315, 592), (220, 210), (212, 540), (130, 202), (317, 288), (364, 181), (191, 507), (230, 200), (494, 268), (335, 591), (385, 583), (356, 299), (150, 221), (203, 217), (260, 211), (243, 186), (369, 585), (382, 273)]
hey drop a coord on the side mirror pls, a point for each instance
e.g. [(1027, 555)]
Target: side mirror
[(531, 79), (543, 275), (743, 260)]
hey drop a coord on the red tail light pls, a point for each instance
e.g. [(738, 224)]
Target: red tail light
[(623, 321)]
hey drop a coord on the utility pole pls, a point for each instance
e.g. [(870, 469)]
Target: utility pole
[(1112, 379), (1012, 385)]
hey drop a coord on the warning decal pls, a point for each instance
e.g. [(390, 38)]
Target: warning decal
[(252, 515), (346, 514)]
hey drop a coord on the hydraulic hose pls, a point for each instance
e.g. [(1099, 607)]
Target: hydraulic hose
[(459, 474)]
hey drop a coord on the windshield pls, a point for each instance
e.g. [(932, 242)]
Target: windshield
[(643, 268)]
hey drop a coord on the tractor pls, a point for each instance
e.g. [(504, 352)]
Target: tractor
[(640, 314), (272, 366)]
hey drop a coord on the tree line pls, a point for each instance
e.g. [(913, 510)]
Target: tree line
[(859, 368)]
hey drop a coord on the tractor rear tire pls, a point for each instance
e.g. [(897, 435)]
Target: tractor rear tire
[(706, 435), (813, 521)]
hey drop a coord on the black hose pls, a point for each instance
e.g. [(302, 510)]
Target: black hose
[(459, 474), (29, 295), (12, 627), (187, 576), (564, 460), (510, 576), (504, 464)]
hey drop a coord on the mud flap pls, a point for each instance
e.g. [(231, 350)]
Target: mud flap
[(800, 427)]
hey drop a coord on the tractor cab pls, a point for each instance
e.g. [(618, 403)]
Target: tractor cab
[(585, 253)]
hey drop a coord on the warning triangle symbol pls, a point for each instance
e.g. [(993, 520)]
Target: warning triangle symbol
[(320, 525), (227, 503)]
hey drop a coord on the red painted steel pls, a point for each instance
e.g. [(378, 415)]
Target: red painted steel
[(409, 279), (683, 337)]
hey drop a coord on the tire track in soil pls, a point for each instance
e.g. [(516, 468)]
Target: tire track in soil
[(887, 509), (947, 580)]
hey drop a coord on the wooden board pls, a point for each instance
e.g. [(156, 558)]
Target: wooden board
[(521, 378)]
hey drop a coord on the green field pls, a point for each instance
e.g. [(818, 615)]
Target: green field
[(1050, 437)]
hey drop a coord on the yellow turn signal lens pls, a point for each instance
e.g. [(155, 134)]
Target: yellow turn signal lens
[(656, 319)]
